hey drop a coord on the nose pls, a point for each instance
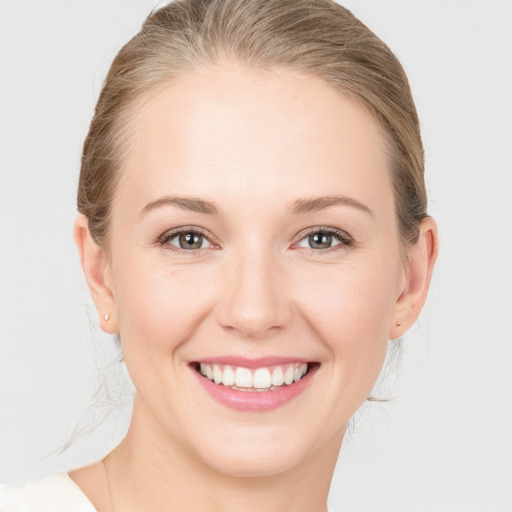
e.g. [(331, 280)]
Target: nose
[(254, 300)]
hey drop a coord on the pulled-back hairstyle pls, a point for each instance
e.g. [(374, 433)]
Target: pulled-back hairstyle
[(316, 37)]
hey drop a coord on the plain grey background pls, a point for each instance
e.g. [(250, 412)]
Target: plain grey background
[(444, 443)]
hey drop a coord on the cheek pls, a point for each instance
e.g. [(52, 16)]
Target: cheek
[(351, 310), (159, 307), (351, 299)]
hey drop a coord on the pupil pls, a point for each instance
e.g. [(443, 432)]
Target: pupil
[(320, 241), (191, 241)]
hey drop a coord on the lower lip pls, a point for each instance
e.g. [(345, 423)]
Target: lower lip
[(255, 400)]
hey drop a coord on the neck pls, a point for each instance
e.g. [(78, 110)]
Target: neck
[(148, 471)]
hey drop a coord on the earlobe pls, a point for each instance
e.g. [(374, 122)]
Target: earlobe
[(421, 258), (97, 274)]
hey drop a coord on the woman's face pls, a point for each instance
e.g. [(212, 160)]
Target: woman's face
[(253, 231)]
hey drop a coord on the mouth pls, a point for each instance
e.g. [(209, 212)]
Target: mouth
[(239, 378), (257, 387)]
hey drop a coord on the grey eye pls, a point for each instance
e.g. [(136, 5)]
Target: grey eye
[(320, 240), (188, 240), (324, 239)]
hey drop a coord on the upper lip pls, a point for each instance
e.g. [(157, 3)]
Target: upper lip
[(252, 363)]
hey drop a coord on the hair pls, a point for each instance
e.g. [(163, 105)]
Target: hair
[(316, 37)]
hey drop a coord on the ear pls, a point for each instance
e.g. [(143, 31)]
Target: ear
[(421, 258), (97, 274)]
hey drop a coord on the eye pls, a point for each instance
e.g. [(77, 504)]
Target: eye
[(322, 239), (185, 240)]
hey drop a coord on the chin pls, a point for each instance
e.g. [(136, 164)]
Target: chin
[(256, 450), (247, 462)]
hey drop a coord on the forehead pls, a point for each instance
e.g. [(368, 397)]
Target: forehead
[(228, 131)]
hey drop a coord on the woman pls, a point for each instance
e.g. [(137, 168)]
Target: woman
[(253, 227)]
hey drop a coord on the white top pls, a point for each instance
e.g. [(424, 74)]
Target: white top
[(56, 493)]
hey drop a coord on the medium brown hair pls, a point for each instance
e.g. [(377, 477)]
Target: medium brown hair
[(316, 37)]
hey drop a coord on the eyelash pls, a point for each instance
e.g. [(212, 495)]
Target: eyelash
[(344, 239), (166, 237)]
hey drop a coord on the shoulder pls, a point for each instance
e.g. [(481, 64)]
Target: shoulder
[(56, 492)]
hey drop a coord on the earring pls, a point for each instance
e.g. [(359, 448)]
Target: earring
[(398, 324), (106, 317)]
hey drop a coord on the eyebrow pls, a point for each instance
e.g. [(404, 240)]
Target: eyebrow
[(315, 204), (193, 204), (300, 206)]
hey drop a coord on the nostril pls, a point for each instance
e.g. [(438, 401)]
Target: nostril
[(255, 304)]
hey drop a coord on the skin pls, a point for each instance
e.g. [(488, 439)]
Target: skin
[(253, 143)]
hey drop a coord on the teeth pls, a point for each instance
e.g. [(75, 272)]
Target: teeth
[(277, 376), (228, 376), (217, 374), (260, 379), (288, 375), (243, 377), (299, 372)]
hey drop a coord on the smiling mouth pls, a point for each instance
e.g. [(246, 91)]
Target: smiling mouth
[(262, 379)]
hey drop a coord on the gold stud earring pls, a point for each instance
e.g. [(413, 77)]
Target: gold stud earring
[(106, 317), (398, 324)]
